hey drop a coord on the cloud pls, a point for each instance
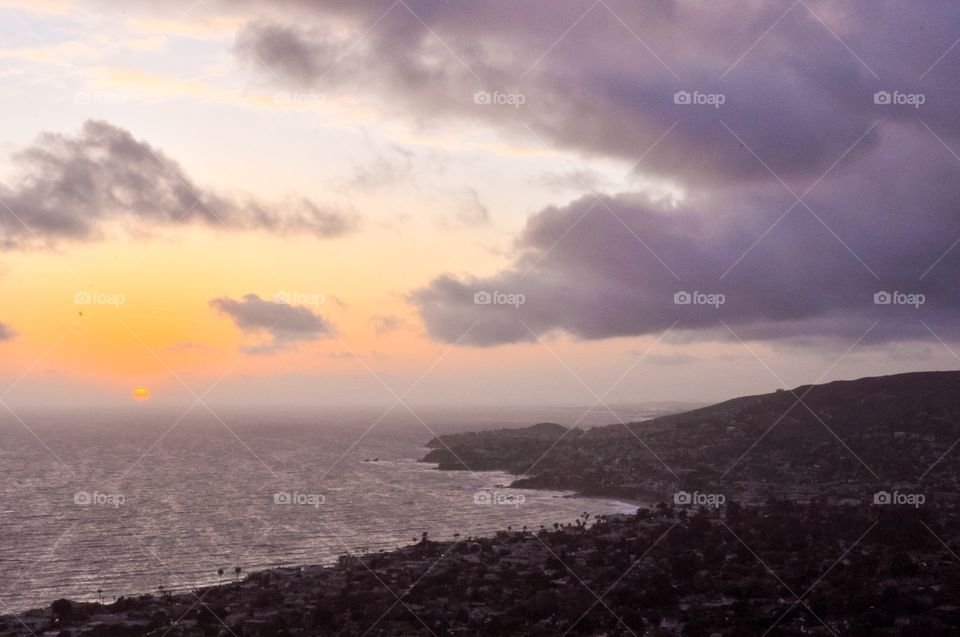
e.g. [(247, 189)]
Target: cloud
[(669, 360), (372, 355), (190, 346), (801, 90), (470, 210), (302, 54), (577, 180), (798, 86), (76, 187), (6, 332), (611, 267), (800, 114), (285, 324), (386, 169), (384, 324)]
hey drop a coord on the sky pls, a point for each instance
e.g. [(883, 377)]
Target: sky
[(473, 203)]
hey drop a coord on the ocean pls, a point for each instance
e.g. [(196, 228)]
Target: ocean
[(102, 503)]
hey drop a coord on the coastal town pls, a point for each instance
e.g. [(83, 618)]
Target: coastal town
[(777, 569), (843, 441)]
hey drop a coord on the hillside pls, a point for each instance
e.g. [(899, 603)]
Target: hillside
[(841, 438), (881, 402)]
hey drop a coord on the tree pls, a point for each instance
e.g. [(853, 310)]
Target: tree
[(62, 610)]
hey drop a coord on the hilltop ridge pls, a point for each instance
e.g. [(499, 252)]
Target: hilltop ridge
[(843, 437)]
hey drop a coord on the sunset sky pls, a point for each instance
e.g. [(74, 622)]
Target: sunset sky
[(298, 202)]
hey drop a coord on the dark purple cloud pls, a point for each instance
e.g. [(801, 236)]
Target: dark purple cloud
[(74, 186), (798, 79), (798, 84), (611, 267), (285, 324)]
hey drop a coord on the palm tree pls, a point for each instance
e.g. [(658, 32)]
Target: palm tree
[(220, 574), (236, 572)]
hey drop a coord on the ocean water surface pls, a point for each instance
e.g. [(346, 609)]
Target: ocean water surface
[(119, 502)]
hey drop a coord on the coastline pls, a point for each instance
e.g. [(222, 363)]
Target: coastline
[(509, 451), (626, 504), (613, 506), (532, 582)]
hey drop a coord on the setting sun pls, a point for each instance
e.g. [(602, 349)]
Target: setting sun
[(141, 393)]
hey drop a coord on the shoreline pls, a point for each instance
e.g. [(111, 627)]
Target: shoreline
[(624, 501), (621, 506), (530, 582), (446, 459)]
